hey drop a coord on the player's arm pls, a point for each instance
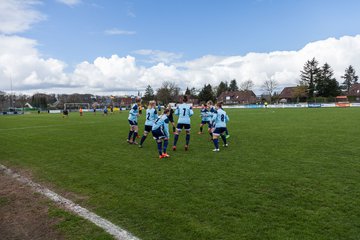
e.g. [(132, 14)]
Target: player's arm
[(177, 111), (191, 112), (227, 119), (166, 128)]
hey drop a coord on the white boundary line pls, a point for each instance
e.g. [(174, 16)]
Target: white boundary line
[(43, 126), (109, 227)]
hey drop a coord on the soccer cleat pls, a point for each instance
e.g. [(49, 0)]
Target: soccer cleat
[(129, 141), (216, 150), (140, 146), (226, 145), (161, 156), (227, 136), (186, 147), (174, 148), (200, 133), (165, 155), (135, 143)]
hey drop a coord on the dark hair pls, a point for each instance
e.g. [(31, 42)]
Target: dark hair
[(166, 110), (219, 104), (185, 99)]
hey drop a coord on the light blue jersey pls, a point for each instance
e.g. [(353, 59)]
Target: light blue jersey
[(220, 118), (151, 116), (162, 122), (205, 115), (133, 114), (184, 111)]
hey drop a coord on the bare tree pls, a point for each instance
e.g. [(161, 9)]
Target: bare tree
[(247, 85), (269, 87)]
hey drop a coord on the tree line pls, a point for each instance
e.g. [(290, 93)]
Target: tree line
[(319, 81)]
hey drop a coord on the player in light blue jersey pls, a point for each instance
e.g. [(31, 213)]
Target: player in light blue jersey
[(211, 108), (151, 116), (219, 118), (184, 111), (133, 121), (160, 132), (205, 118)]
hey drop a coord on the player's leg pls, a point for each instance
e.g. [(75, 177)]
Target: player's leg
[(136, 128), (131, 132), (216, 134), (166, 142), (147, 129), (176, 137), (201, 128), (159, 147), (187, 137), (144, 136)]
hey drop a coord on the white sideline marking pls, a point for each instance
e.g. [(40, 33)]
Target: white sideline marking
[(109, 227), (42, 126)]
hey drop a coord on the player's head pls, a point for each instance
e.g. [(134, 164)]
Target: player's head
[(219, 105), (138, 100), (151, 104), (167, 112), (209, 103), (184, 99)]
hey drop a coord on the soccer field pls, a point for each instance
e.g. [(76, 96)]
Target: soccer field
[(287, 173)]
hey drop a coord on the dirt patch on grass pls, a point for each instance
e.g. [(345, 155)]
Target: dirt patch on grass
[(23, 213)]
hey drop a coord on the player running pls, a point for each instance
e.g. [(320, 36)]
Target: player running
[(133, 115), (220, 118), (151, 116), (160, 132), (184, 111)]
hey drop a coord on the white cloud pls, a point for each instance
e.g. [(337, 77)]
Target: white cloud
[(70, 2), (157, 56), (115, 31), (21, 61), (18, 15)]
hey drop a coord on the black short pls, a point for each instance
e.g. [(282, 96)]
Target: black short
[(171, 118), (133, 123), (158, 134), (182, 125), (147, 128), (220, 130)]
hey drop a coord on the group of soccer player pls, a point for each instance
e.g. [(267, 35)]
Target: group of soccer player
[(214, 116)]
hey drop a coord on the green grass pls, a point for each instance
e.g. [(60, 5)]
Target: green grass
[(287, 174)]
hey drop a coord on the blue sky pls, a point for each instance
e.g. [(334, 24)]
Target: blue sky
[(188, 27), (164, 40)]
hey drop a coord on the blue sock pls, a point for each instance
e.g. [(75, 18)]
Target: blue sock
[(142, 139), (134, 137), (159, 147), (130, 134), (165, 145), (210, 134), (201, 128), (216, 143), (176, 139), (227, 132), (187, 139), (223, 137)]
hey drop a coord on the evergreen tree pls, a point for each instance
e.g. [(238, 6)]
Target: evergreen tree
[(308, 76), (187, 91), (149, 94), (223, 87), (206, 94), (233, 86), (350, 78), (326, 84)]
